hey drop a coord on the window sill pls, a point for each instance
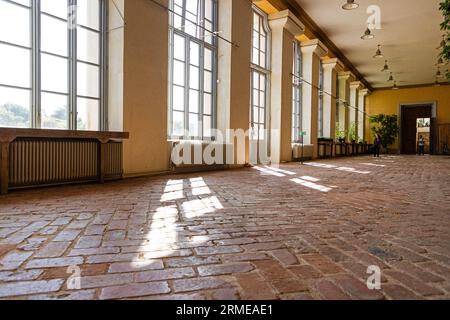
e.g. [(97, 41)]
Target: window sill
[(10, 134)]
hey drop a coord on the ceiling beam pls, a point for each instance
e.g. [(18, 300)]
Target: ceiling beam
[(413, 86), (314, 30)]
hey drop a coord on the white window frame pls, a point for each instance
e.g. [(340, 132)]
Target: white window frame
[(260, 69), (297, 124), (36, 71), (203, 44)]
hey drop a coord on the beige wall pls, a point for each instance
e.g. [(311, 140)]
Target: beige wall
[(388, 102), (145, 87), (233, 101)]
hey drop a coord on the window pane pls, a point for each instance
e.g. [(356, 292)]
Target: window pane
[(262, 59), (88, 114), (15, 66), (195, 54), (88, 13), (255, 56), (194, 77), (262, 82), (255, 22), (54, 113), (193, 101), (55, 7), (192, 6), (88, 81), (255, 114), (207, 126), (255, 97), (191, 23), (178, 98), (262, 44), (88, 46), (207, 103), (179, 48), (208, 81), (255, 80), (177, 20), (193, 125), (53, 35), (178, 73), (15, 108), (178, 124), (208, 10), (54, 73), (262, 98), (209, 36), (15, 24), (208, 59)]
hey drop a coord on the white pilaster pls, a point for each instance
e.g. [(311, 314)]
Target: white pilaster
[(330, 69), (312, 51), (361, 114), (285, 27)]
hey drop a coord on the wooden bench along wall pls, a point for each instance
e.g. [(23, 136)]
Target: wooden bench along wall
[(37, 157)]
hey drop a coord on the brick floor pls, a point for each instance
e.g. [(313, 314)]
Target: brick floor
[(293, 232)]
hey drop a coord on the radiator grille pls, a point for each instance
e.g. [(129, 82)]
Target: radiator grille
[(114, 163), (36, 162)]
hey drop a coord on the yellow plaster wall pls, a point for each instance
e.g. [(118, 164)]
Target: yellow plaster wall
[(388, 102)]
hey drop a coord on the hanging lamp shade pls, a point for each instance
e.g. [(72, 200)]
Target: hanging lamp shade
[(386, 66), (391, 78), (378, 54), (350, 5), (368, 35)]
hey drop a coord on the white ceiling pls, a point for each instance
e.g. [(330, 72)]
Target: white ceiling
[(409, 37)]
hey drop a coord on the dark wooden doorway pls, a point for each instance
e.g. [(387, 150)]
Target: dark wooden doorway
[(409, 116)]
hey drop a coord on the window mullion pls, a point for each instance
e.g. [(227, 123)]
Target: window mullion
[(201, 6), (187, 55), (201, 91), (72, 28), (36, 65), (103, 114)]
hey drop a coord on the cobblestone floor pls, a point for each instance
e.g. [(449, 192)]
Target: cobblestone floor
[(291, 232)]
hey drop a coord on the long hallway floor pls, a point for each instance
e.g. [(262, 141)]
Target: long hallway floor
[(293, 232)]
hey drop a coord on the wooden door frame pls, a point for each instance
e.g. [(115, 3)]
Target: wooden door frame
[(433, 129)]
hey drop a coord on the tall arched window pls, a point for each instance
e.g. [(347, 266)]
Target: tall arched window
[(260, 69), (52, 64), (297, 93), (193, 65)]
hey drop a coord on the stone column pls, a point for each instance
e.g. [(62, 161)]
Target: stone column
[(362, 118), (330, 69), (344, 79), (312, 51), (233, 92), (355, 86), (284, 26)]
